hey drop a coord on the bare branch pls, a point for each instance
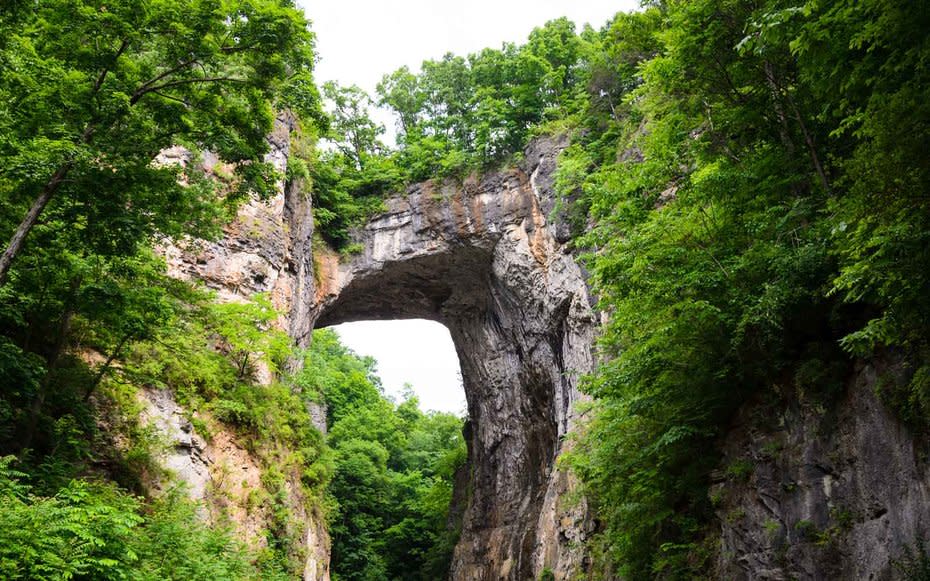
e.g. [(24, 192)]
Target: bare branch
[(103, 74), (182, 65), (171, 97)]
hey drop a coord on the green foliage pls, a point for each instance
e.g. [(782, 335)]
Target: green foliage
[(157, 332), (755, 174), (248, 335), (460, 113), (394, 470), (345, 380), (83, 120), (91, 94), (748, 232), (457, 115), (207, 356), (740, 470), (350, 179), (94, 531), (914, 564)]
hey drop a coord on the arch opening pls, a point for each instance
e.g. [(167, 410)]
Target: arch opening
[(414, 354)]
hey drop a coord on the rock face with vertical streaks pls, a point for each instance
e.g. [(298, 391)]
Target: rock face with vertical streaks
[(831, 494), (840, 491), (267, 249), (483, 258)]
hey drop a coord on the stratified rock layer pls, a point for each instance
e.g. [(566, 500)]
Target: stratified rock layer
[(483, 258), (828, 493), (267, 249)]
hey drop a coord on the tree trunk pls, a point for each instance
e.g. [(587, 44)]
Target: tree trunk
[(32, 216), (106, 366), (64, 331)]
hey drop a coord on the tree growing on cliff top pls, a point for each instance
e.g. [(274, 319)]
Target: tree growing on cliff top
[(92, 91)]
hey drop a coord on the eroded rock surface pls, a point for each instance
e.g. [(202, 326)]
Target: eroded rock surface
[(483, 258), (267, 249), (184, 453), (224, 476), (823, 492)]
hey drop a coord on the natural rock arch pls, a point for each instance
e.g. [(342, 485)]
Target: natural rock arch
[(483, 258)]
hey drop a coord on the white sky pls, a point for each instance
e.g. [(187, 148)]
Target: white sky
[(411, 351), (359, 41)]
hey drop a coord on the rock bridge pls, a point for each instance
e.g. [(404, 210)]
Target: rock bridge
[(483, 258)]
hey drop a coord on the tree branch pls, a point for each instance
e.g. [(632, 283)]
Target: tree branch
[(103, 74), (165, 74), (106, 366), (19, 237), (171, 97), (153, 89)]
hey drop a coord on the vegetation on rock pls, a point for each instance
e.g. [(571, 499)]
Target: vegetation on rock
[(748, 181)]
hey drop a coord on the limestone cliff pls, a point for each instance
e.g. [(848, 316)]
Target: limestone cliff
[(483, 258), (826, 490), (266, 249), (225, 476)]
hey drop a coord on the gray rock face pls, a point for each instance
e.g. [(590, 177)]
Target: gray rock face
[(830, 494), (267, 249), (483, 259), (185, 451), (823, 494)]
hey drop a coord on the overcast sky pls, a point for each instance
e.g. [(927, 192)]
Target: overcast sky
[(413, 351), (358, 41)]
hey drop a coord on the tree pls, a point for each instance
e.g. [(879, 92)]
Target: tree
[(248, 334), (400, 91), (93, 91), (394, 471), (351, 127)]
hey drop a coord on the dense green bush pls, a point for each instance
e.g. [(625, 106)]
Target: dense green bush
[(91, 530), (748, 179), (749, 237)]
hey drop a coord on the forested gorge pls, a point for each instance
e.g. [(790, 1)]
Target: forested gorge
[(747, 184)]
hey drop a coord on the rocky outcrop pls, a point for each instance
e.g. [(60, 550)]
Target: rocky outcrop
[(267, 249), (807, 491), (822, 492), (226, 478), (483, 258), (184, 451)]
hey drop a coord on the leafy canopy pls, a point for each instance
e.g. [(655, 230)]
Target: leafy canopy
[(92, 91)]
